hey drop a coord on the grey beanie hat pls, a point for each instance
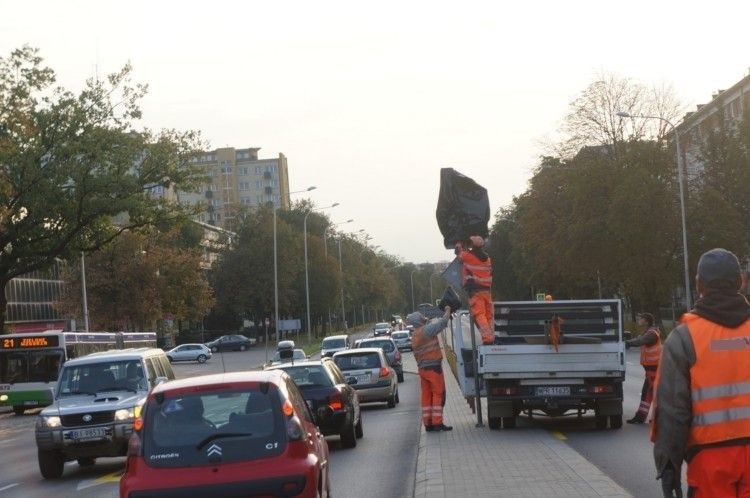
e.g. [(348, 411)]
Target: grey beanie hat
[(719, 266), (415, 318)]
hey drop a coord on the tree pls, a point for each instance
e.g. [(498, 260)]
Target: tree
[(71, 164)]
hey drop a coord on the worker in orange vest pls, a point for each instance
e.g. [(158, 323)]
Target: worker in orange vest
[(426, 348), (476, 277), (702, 406), (650, 343)]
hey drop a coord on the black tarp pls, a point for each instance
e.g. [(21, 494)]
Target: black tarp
[(463, 207)]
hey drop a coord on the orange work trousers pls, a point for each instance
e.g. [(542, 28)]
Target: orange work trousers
[(647, 393), (433, 396), (720, 472), (484, 315)]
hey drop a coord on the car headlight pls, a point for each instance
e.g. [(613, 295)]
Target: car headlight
[(124, 414), (3, 398), (47, 422)]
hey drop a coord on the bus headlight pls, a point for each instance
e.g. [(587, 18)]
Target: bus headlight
[(124, 414), (43, 422)]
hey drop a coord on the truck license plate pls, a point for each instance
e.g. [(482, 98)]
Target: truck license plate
[(91, 433), (553, 391)]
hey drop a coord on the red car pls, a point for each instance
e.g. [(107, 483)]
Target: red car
[(233, 434)]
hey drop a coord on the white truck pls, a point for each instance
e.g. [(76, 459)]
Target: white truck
[(524, 371)]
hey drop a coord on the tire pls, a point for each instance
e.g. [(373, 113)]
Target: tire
[(494, 423), (19, 410), (509, 422), (201, 358), (358, 431), (615, 421), (242, 347), (86, 461), (400, 377), (171, 360), (349, 436), (214, 349), (392, 401), (398, 400), (51, 464), (600, 421)]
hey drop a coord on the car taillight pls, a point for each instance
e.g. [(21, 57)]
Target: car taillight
[(600, 389), (383, 371), (134, 445), (294, 429), (504, 391), (335, 402)]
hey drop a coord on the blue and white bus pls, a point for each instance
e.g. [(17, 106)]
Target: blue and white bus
[(30, 363)]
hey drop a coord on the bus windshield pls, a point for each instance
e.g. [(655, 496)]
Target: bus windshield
[(30, 366)]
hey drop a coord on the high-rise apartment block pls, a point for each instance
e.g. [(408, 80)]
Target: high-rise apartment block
[(238, 180)]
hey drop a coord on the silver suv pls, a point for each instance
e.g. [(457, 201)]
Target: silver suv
[(97, 399)]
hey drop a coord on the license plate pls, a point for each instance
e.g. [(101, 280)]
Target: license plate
[(91, 433), (363, 378), (553, 391), (30, 403)]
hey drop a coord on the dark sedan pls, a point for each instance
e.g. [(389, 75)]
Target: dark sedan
[(234, 342), (323, 385)]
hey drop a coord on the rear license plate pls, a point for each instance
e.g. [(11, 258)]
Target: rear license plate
[(30, 403), (91, 433), (363, 378), (553, 391)]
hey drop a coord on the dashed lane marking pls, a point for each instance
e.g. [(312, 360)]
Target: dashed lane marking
[(559, 435), (9, 486)]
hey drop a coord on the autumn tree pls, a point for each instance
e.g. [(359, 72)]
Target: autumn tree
[(71, 163)]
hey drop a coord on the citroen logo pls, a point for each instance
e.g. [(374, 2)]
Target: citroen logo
[(87, 418), (214, 450)]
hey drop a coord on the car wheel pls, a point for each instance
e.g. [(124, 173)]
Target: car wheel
[(19, 410), (214, 349), (171, 360), (392, 401), (242, 347), (400, 377), (86, 461), (358, 431), (348, 436), (398, 400), (51, 463), (494, 423), (201, 358)]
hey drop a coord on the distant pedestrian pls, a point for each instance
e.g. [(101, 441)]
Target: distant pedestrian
[(429, 358), (476, 277), (702, 407), (650, 343)]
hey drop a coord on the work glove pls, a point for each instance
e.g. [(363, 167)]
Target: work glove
[(458, 247), (671, 487)]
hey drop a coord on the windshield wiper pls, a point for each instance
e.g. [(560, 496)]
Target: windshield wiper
[(115, 388), (220, 435), (71, 393)]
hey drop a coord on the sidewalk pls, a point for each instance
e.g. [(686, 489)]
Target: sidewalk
[(479, 462)]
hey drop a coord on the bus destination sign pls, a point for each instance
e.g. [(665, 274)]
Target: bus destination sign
[(29, 342)]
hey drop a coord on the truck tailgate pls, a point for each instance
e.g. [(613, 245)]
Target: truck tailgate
[(541, 361)]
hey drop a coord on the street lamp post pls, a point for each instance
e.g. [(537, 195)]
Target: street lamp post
[(688, 292), (276, 267), (432, 300), (307, 280), (85, 297), (411, 279), (325, 237), (341, 272)]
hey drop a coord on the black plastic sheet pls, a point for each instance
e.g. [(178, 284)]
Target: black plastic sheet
[(450, 298), (463, 208)]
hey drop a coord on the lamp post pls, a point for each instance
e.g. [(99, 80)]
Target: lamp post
[(325, 239), (432, 300), (411, 279), (307, 280), (276, 267), (341, 272), (688, 293), (83, 291)]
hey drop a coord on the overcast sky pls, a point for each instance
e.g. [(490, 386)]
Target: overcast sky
[(368, 100)]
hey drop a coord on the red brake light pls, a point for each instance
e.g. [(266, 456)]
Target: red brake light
[(383, 371), (288, 409), (335, 402), (600, 389), (504, 391)]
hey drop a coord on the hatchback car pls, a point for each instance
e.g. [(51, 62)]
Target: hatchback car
[(373, 378), (190, 352), (333, 344), (402, 338), (391, 352), (234, 342), (324, 386), (297, 355), (232, 434)]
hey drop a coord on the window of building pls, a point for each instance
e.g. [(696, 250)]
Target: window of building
[(244, 186), (244, 171), (226, 170), (258, 170)]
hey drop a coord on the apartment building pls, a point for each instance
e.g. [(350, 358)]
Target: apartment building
[(696, 125), (239, 180)]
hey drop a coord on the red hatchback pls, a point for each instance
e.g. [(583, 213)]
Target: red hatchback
[(234, 434)]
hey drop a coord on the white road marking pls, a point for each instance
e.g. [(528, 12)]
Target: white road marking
[(9, 486)]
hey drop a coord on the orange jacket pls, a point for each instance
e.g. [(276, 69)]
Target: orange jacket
[(650, 354), (720, 392), (426, 349), (476, 275)]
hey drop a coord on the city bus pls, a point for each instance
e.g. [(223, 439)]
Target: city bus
[(30, 363)]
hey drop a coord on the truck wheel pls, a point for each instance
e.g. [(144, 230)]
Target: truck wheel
[(19, 410), (494, 423), (600, 421), (509, 422), (51, 463), (615, 421)]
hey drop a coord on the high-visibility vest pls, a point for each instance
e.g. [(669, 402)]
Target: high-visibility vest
[(476, 274), (719, 381), (650, 354), (426, 349)]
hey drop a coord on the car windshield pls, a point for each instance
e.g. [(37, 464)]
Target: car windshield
[(386, 346), (400, 335), (357, 361), (91, 378), (333, 343), (308, 376), (297, 354), (188, 429), (381, 326)]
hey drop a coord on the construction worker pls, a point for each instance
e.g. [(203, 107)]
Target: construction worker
[(476, 276), (426, 348), (650, 343), (702, 407)]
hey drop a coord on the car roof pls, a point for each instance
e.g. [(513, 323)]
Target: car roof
[(383, 323), (220, 378), (358, 351), (190, 344), (303, 363), (375, 339), (335, 337), (399, 332), (114, 355)]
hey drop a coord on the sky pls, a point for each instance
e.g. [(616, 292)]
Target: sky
[(369, 100)]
